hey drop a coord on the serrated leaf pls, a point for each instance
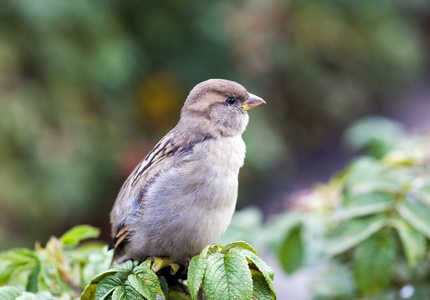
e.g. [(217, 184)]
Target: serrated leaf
[(78, 233), (373, 263), (131, 293), (417, 214), (106, 286), (33, 280), (413, 242), (235, 245), (261, 266), (146, 283), (119, 293), (89, 291), (227, 277), (9, 293), (125, 267), (261, 290), (290, 251), (352, 232), (126, 292), (205, 252), (196, 273)]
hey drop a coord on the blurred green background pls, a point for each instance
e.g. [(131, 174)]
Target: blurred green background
[(88, 87)]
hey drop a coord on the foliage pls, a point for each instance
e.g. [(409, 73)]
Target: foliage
[(62, 270), (231, 272), (88, 87), (58, 271), (370, 223)]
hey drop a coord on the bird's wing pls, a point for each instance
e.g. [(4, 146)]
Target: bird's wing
[(132, 194)]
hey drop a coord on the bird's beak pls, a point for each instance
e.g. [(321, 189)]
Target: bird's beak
[(252, 101)]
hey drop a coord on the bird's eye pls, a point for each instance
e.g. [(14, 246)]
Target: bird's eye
[(230, 100)]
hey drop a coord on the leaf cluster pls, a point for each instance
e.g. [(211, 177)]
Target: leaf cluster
[(63, 269), (370, 223), (58, 271), (231, 272)]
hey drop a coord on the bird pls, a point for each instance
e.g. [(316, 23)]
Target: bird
[(182, 195)]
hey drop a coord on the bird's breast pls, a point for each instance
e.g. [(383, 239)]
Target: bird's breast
[(190, 205)]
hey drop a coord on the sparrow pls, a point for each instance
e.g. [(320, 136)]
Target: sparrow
[(182, 195)]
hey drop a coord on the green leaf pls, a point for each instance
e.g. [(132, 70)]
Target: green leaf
[(51, 277), (367, 175), (228, 277), (90, 289), (373, 264), (146, 282), (132, 294), (119, 293), (335, 282), (364, 204), (78, 233), (260, 265), (89, 292), (352, 232), (417, 214), (164, 285), (278, 228), (126, 292), (16, 264), (33, 280), (205, 251), (98, 260), (413, 242), (246, 225), (377, 134), (43, 295), (196, 273), (9, 293), (290, 251), (19, 255), (235, 245), (261, 290), (125, 267), (106, 286)]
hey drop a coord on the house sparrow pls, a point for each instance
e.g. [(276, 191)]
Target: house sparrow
[(182, 195)]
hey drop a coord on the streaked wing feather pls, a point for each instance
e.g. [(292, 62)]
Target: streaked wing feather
[(143, 174)]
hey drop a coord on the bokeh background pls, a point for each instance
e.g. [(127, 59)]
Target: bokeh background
[(88, 87)]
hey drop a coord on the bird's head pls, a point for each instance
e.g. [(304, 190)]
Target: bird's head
[(219, 107)]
